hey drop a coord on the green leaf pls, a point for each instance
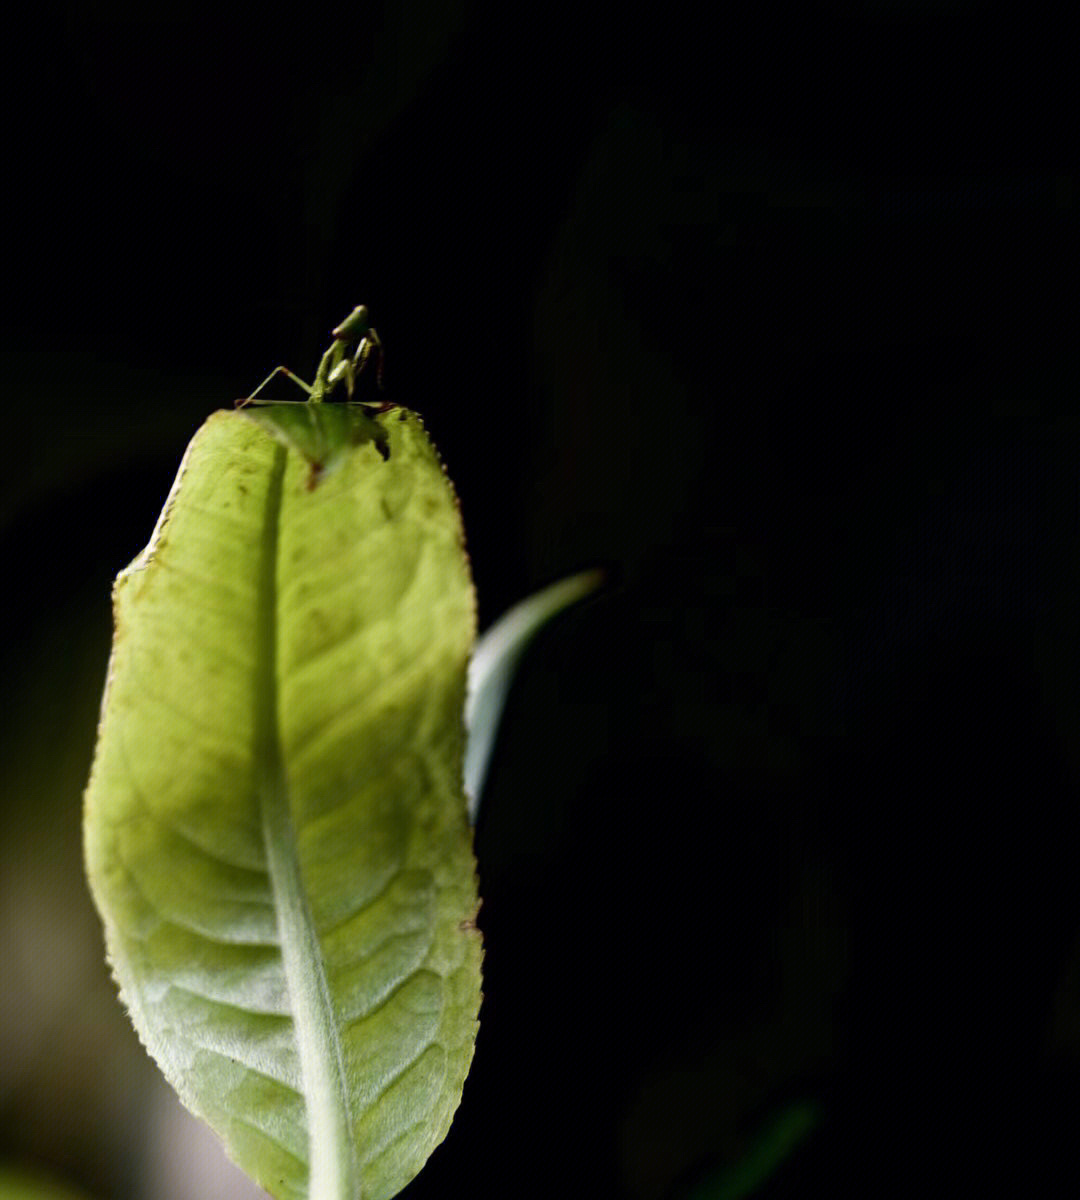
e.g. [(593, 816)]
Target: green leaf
[(275, 825), (495, 662), (773, 1145)]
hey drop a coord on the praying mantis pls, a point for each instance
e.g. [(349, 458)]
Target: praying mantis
[(354, 343), (322, 433)]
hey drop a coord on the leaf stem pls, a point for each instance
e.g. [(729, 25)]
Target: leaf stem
[(334, 1170)]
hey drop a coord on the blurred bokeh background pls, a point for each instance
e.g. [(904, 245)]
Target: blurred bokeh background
[(775, 315)]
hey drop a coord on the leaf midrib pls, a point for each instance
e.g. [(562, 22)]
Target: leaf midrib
[(334, 1172)]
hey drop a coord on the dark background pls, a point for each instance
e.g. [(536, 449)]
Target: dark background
[(776, 317)]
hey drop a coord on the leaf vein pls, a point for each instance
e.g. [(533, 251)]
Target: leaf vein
[(246, 1009), (177, 922), (217, 1052), (340, 924), (386, 998), (204, 581), (367, 701), (276, 1141), (401, 1071)]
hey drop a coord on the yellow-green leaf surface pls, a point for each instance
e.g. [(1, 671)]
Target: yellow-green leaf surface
[(275, 824)]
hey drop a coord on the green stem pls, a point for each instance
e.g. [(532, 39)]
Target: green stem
[(334, 1170)]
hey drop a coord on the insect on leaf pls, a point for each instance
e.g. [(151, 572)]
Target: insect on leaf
[(275, 824)]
